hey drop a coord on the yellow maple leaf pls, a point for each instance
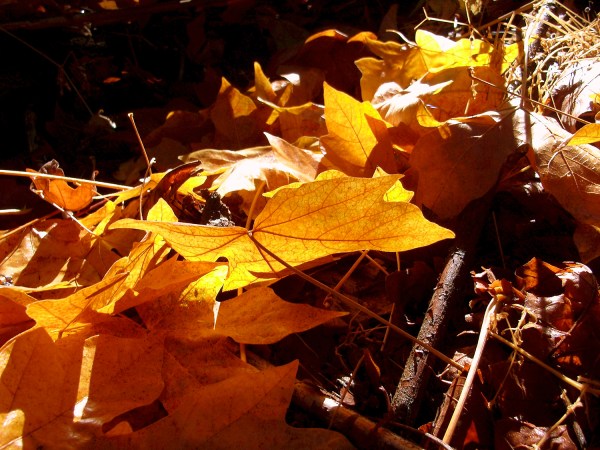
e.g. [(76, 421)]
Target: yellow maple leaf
[(358, 141), (300, 225), (236, 118)]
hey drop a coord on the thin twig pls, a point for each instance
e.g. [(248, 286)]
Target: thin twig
[(490, 313), (539, 362), (354, 304), (18, 173)]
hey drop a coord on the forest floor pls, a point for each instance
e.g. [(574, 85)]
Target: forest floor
[(318, 289)]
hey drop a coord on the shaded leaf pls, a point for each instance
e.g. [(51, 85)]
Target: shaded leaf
[(52, 251), (192, 364), (121, 374), (236, 118), (238, 418), (13, 318), (298, 121), (461, 160), (261, 317), (570, 173), (38, 392)]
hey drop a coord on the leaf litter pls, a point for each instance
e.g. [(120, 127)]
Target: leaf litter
[(123, 323)]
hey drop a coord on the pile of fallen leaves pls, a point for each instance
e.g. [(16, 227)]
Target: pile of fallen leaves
[(125, 322)]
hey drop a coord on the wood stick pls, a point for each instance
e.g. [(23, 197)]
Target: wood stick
[(362, 432), (445, 303)]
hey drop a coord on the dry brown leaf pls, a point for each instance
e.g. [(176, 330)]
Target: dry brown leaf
[(461, 160), (575, 92), (569, 173)]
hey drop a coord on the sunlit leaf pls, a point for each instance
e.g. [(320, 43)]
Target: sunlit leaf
[(317, 219), (357, 141), (60, 193), (587, 134)]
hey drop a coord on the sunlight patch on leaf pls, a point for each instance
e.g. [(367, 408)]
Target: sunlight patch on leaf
[(316, 219)]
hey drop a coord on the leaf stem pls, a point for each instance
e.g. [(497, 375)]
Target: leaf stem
[(354, 304)]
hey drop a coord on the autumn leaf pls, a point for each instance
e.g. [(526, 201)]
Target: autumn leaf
[(434, 60), (238, 418), (575, 92), (296, 122), (461, 160), (333, 53), (397, 105), (59, 392), (571, 173), (59, 192), (440, 53), (587, 134), (242, 171), (357, 141), (587, 240), (259, 316), (70, 314), (54, 251), (316, 219), (262, 85), (38, 392), (397, 64), (237, 119), (13, 318)]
